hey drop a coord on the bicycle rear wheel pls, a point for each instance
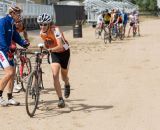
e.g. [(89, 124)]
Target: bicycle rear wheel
[(32, 94), (25, 70), (121, 35)]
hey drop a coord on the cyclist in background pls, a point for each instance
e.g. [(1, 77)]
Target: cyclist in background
[(125, 20), (112, 16), (136, 14), (7, 34), (100, 22), (60, 53), (113, 21), (132, 23), (107, 17), (119, 19)]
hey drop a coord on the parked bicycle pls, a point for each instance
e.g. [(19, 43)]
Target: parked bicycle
[(23, 67), (35, 82)]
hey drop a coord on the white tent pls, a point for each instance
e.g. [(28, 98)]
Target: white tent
[(158, 3), (92, 7), (71, 3)]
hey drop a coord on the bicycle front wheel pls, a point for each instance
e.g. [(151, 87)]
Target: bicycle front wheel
[(32, 94)]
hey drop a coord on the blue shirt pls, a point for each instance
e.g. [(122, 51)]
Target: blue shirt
[(125, 18), (8, 33)]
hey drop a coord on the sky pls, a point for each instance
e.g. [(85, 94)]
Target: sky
[(158, 1)]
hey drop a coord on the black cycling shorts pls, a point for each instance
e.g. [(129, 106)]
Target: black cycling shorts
[(107, 22), (131, 24), (62, 58)]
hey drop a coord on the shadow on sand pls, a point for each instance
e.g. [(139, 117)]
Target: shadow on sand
[(48, 110)]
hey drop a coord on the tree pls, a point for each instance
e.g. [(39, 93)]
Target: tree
[(146, 5)]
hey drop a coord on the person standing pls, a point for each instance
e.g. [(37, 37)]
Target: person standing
[(125, 20), (7, 34)]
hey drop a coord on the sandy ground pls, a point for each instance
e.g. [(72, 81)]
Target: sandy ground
[(114, 87)]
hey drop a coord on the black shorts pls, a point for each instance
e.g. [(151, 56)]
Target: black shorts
[(62, 58), (131, 24), (107, 22)]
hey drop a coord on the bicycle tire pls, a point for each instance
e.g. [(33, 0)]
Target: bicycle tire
[(25, 74), (110, 39), (121, 36), (97, 33), (113, 35), (32, 91), (106, 37)]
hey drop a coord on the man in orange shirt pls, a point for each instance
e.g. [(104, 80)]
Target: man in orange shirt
[(60, 53)]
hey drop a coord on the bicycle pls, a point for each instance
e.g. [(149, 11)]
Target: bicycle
[(35, 82), (23, 67)]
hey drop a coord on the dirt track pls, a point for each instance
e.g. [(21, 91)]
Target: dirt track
[(114, 87)]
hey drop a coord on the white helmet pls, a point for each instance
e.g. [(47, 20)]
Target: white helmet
[(44, 18)]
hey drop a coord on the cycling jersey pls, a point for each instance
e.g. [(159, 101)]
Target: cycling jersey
[(136, 18), (107, 17), (120, 19), (100, 19), (125, 18), (132, 18), (8, 33), (115, 17), (51, 36)]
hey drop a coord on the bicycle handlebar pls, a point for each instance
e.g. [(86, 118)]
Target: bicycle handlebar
[(44, 52)]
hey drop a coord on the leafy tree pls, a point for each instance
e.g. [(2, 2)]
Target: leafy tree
[(146, 5)]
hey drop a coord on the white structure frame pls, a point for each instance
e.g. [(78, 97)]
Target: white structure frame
[(92, 7)]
